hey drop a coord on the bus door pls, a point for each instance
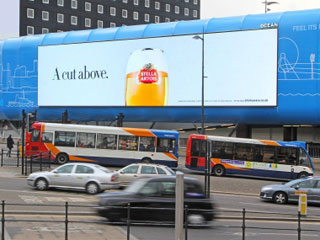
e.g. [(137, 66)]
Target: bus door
[(198, 153)]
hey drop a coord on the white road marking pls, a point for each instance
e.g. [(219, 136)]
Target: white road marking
[(30, 199), (34, 199)]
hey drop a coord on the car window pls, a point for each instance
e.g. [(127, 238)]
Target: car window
[(131, 169), (171, 171), (148, 170), (151, 189), (161, 171), (168, 189), (65, 169), (106, 170), (317, 185), (84, 169), (305, 184), (193, 190)]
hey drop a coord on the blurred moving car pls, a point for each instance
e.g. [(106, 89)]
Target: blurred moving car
[(286, 192), (153, 199), (84, 176), (134, 171)]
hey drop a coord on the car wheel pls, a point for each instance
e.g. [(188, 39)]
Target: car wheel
[(196, 219), (218, 170), (62, 158), (280, 197), (146, 160), (303, 174), (92, 188), (41, 184)]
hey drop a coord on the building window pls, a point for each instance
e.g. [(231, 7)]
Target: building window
[(167, 19), (87, 6), (45, 30), (186, 1), (60, 18), (45, 16), (135, 15), (177, 9), (186, 11), (100, 9), (60, 3), (87, 22), (136, 2), (125, 1), (112, 24), (167, 7), (112, 11), (195, 2), (99, 24), (30, 13), (146, 17), (30, 30), (31, 0), (74, 4), (195, 13), (124, 13), (59, 31), (74, 20), (45, 1), (156, 19), (147, 3), (157, 5)]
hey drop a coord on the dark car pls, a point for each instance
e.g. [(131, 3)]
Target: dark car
[(153, 199)]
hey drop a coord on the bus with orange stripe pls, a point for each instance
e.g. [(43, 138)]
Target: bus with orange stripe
[(248, 157), (112, 146)]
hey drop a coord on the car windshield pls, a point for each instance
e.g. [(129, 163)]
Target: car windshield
[(171, 171), (106, 170), (135, 186)]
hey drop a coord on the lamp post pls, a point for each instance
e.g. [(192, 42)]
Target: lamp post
[(267, 3), (197, 37), (207, 168)]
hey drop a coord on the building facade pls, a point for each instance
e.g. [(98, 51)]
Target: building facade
[(44, 16)]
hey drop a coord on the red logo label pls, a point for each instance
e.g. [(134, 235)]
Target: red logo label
[(148, 76)]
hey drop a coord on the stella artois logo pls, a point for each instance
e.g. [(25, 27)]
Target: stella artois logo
[(148, 74)]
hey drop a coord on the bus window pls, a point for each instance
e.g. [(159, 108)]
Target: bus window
[(303, 158), (243, 151), (257, 153), (222, 150), (286, 155), (269, 154), (86, 140), (106, 141), (47, 137), (195, 148), (35, 137), (166, 145), (147, 144), (128, 143), (64, 139)]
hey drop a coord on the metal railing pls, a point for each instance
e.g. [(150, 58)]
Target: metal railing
[(242, 215)]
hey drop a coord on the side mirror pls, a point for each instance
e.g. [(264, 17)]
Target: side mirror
[(55, 171), (297, 187)]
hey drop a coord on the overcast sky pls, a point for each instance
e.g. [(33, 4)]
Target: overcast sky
[(225, 8)]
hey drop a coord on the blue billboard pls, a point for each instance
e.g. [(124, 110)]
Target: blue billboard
[(258, 69)]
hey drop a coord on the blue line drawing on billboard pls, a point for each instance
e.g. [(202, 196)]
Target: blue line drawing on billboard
[(18, 86), (289, 66)]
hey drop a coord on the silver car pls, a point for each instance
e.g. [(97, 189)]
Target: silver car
[(288, 192), (83, 176), (136, 170)]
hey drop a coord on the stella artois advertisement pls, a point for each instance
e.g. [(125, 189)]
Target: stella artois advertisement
[(235, 69)]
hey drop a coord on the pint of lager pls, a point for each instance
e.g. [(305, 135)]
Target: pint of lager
[(147, 78)]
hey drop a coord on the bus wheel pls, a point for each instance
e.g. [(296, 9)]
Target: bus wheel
[(218, 170), (146, 160), (303, 174), (62, 158)]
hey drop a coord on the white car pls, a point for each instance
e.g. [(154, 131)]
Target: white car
[(136, 170), (83, 176)]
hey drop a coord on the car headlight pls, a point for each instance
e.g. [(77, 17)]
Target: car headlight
[(264, 189)]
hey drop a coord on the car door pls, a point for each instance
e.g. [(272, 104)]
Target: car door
[(316, 192), (147, 171), (81, 176), (129, 174), (303, 186), (61, 176)]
